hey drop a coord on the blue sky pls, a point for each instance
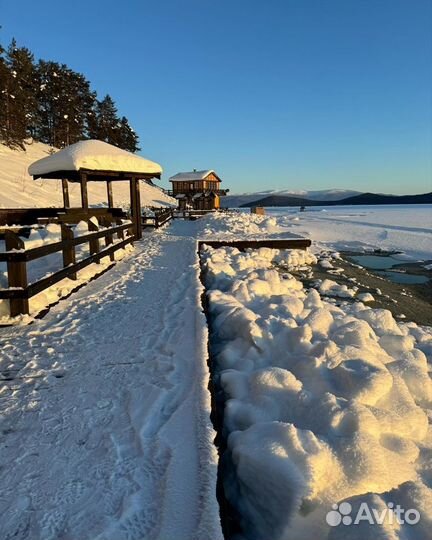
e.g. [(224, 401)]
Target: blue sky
[(282, 94)]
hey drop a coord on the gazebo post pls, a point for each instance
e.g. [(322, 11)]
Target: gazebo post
[(110, 194), (84, 193), (65, 189), (136, 207)]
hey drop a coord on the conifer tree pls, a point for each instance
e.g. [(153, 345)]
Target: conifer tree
[(54, 104), (128, 139), (104, 123), (20, 107), (65, 104)]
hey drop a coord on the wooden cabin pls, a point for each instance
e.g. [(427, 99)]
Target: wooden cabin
[(199, 190)]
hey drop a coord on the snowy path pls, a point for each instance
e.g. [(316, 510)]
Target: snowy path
[(105, 429)]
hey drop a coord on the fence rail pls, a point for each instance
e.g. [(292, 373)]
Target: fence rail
[(16, 256), (159, 218)]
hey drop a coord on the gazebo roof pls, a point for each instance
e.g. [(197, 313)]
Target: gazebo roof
[(98, 160)]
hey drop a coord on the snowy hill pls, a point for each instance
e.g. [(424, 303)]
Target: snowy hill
[(18, 190), (234, 201)]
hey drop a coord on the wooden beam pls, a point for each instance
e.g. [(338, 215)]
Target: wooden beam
[(84, 193), (279, 243), (135, 199), (110, 194), (65, 189)]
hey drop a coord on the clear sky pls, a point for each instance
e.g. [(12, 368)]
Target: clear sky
[(276, 94)]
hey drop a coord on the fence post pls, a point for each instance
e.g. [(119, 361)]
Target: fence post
[(106, 222), (68, 250), (93, 242), (17, 275), (120, 234)]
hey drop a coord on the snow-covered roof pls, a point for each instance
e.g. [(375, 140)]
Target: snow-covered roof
[(95, 156), (191, 176)]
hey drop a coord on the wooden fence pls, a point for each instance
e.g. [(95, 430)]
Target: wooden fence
[(159, 218), (16, 256)]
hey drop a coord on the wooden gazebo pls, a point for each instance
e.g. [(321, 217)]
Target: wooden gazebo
[(97, 161)]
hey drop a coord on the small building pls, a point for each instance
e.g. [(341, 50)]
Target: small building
[(199, 190)]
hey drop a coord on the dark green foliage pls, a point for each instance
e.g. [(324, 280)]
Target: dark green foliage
[(18, 99), (54, 104), (65, 104)]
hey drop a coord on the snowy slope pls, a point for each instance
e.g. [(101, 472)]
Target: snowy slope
[(18, 190), (234, 201)]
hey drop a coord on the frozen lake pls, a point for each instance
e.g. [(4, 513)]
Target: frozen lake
[(406, 228)]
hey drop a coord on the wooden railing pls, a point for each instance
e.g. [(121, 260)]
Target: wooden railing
[(160, 217), (16, 256)]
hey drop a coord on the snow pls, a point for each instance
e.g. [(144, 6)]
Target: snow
[(105, 408), (94, 155), (406, 228), (105, 422), (19, 190), (331, 288), (365, 297), (322, 404)]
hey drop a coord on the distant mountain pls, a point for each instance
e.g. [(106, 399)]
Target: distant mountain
[(363, 198), (235, 201)]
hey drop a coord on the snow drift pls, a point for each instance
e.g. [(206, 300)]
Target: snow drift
[(322, 404)]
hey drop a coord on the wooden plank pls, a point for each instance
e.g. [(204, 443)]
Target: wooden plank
[(65, 189), (135, 199), (242, 245), (17, 276), (110, 194), (84, 192)]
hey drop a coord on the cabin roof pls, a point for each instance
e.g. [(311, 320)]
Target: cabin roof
[(93, 155), (192, 176)]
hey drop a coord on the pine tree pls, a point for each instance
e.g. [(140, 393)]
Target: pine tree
[(128, 139), (65, 104), (104, 124), (18, 82), (54, 105)]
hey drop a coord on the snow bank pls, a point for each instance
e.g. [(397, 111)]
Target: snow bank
[(238, 224), (322, 404)]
